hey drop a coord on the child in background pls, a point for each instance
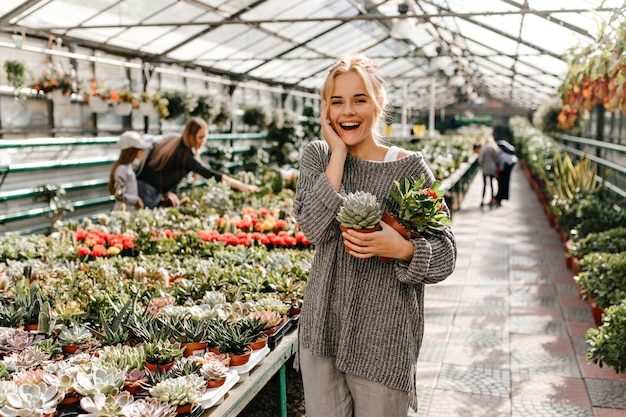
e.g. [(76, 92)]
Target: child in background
[(122, 179)]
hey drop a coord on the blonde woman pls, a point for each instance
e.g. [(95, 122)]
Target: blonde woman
[(362, 320), (172, 159)]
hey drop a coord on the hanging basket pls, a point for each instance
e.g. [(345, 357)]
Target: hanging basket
[(98, 105), (123, 108)]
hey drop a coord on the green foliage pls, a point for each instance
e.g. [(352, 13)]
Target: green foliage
[(605, 345), (611, 241), (360, 211), (255, 116), (418, 207), (571, 180), (16, 73), (603, 278), (162, 352)]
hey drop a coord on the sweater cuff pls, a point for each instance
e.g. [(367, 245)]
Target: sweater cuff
[(414, 271)]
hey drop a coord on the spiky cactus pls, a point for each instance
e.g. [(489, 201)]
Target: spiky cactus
[(360, 210)]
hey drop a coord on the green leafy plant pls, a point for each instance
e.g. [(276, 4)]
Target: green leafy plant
[(255, 117), (603, 278), (610, 241), (360, 211), (417, 207), (605, 345), (16, 73)]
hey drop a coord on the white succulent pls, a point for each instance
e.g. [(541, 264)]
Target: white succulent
[(32, 401), (102, 405), (6, 387), (149, 408), (179, 391), (108, 381)]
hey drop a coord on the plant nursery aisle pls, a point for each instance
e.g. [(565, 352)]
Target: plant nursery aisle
[(505, 334)]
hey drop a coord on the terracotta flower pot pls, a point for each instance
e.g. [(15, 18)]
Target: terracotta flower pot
[(194, 348), (71, 399), (238, 360), (260, 343), (70, 349), (215, 383), (596, 312), (392, 221), (152, 367), (182, 409), (31, 327), (345, 229)]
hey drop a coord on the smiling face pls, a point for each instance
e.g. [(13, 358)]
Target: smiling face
[(351, 110)]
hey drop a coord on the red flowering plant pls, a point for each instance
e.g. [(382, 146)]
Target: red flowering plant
[(99, 244), (418, 208)]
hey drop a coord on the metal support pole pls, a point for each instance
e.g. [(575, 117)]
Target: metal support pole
[(405, 96), (431, 113), (282, 392)]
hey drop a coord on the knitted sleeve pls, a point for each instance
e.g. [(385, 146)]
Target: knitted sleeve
[(317, 202)]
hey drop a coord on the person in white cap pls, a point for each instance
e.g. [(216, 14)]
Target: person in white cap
[(122, 179)]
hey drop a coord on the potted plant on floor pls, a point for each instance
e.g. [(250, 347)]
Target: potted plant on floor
[(605, 345)]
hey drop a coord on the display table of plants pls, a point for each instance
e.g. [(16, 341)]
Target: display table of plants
[(157, 312)]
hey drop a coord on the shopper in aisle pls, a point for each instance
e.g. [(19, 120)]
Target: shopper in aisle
[(172, 159), (122, 179), (487, 157), (362, 321), (505, 162)]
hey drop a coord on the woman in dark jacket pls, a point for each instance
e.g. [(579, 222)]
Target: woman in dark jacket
[(172, 159)]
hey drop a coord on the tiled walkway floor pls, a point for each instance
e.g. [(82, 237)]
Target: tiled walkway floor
[(505, 334)]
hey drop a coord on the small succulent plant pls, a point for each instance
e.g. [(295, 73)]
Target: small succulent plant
[(360, 210), (102, 405), (17, 341), (213, 371), (162, 352), (32, 401), (6, 387), (179, 391), (26, 359), (106, 381), (149, 408), (75, 335), (123, 357), (185, 366)]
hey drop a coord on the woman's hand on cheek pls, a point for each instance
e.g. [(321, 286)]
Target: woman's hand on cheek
[(329, 133)]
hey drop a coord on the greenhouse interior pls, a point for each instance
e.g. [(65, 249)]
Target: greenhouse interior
[(112, 307)]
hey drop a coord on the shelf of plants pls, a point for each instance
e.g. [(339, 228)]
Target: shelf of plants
[(149, 311)]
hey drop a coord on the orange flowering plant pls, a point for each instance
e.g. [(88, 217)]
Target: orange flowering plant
[(416, 207), (55, 77)]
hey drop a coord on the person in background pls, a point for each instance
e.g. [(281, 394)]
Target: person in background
[(122, 180), (172, 159), (362, 321), (487, 156), (505, 162)]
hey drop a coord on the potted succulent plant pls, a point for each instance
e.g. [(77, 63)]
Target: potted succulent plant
[(73, 337), (105, 405), (32, 401), (230, 339), (108, 381), (162, 354), (215, 373), (360, 211), (149, 407), (181, 392)]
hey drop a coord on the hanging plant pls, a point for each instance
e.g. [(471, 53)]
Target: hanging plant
[(16, 73), (223, 114), (255, 117), (176, 104)]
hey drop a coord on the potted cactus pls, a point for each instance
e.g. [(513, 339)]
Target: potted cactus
[(32, 401), (360, 211)]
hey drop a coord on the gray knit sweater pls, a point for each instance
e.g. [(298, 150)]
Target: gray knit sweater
[(367, 314)]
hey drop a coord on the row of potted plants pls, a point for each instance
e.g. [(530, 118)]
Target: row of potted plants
[(591, 224)]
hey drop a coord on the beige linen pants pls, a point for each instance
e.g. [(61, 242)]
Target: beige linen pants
[(332, 393)]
